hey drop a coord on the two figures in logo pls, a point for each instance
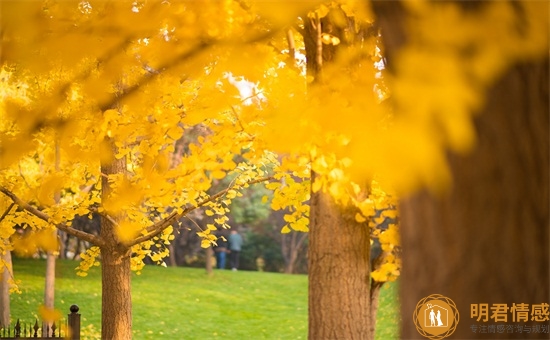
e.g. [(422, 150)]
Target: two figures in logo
[(433, 318)]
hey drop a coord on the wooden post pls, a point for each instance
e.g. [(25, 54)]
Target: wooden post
[(74, 323)]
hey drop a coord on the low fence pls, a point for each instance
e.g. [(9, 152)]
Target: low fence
[(24, 331)]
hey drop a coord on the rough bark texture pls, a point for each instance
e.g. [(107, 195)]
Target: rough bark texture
[(487, 241), (116, 308), (339, 247), (338, 273), (116, 302)]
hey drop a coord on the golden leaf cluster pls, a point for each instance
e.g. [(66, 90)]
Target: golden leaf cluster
[(192, 94)]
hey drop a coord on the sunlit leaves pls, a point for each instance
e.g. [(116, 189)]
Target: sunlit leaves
[(156, 84), (389, 264), (88, 260)]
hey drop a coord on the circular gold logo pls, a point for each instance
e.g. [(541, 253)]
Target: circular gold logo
[(436, 317)]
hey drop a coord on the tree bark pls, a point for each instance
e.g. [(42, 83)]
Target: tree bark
[(6, 274), (339, 272), (487, 240), (116, 307), (116, 301), (209, 255), (49, 284), (339, 247)]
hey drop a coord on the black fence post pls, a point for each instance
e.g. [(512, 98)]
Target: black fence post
[(74, 323)]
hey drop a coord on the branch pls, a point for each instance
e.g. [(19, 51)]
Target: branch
[(6, 212), (291, 45), (95, 240), (203, 45), (300, 30), (158, 227)]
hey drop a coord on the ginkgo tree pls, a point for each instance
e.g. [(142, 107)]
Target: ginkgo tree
[(115, 97)]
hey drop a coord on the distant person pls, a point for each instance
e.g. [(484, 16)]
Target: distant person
[(235, 246), (221, 251)]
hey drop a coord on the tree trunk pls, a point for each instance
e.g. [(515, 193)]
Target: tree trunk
[(172, 257), (209, 253), (338, 272), (62, 239), (487, 241), (49, 285), (339, 247), (116, 308), (116, 301), (289, 267), (291, 245), (6, 274)]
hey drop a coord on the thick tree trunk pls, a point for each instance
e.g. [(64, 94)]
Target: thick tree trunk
[(487, 241), (116, 308), (116, 301), (339, 247), (339, 272)]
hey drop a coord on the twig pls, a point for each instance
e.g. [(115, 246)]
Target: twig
[(95, 240), (6, 212), (156, 228)]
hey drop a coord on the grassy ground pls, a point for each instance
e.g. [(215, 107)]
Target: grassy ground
[(184, 303)]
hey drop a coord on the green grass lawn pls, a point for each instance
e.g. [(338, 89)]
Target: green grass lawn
[(185, 303)]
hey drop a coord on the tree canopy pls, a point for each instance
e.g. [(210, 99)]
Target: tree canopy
[(104, 90)]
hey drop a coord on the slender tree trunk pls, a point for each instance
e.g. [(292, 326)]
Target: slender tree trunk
[(116, 302), (49, 285), (291, 245), (62, 237), (172, 257), (487, 241), (289, 268), (209, 253), (5, 274), (338, 272)]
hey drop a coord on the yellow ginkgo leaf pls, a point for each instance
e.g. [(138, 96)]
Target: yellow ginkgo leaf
[(360, 218), (285, 230)]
